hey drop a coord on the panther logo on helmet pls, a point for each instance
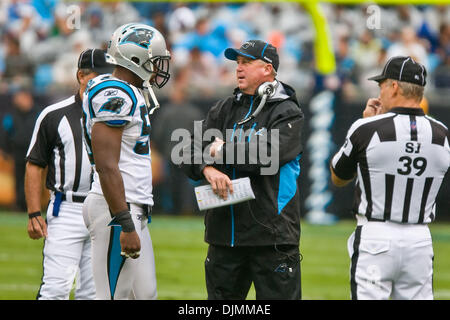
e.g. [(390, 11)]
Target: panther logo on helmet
[(142, 50), (140, 37)]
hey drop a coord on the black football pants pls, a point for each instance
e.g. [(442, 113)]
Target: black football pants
[(274, 271)]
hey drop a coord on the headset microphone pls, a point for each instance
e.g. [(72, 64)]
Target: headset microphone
[(265, 90)]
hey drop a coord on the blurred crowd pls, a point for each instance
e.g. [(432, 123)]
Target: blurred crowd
[(41, 39)]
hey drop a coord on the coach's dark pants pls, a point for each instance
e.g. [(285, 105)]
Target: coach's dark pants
[(274, 271)]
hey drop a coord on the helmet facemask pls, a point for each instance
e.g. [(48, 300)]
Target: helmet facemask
[(159, 66)]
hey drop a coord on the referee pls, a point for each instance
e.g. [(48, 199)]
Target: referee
[(399, 157), (57, 144)]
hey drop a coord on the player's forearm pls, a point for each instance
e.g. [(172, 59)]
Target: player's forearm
[(33, 187), (106, 145), (113, 188)]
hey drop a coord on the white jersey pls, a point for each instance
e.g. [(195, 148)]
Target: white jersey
[(400, 159), (120, 104)]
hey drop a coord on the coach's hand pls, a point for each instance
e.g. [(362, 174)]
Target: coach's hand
[(373, 108), (219, 181), (37, 228), (216, 147), (130, 244)]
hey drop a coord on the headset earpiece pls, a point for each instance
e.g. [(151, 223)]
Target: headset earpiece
[(265, 91), (267, 88)]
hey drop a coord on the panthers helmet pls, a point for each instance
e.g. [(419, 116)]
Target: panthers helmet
[(142, 50)]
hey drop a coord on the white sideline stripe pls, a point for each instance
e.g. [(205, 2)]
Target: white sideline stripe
[(438, 294), (19, 287), (442, 294), (192, 295), (31, 287)]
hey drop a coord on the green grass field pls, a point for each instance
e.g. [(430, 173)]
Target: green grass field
[(180, 253)]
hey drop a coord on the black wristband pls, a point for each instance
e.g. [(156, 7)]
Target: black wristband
[(125, 220), (34, 215)]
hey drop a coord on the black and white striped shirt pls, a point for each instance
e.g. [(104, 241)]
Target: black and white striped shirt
[(400, 159), (57, 142)]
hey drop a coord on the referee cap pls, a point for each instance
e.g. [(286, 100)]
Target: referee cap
[(403, 68), (255, 49), (95, 60)]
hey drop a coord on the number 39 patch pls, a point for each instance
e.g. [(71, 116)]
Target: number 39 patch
[(411, 162)]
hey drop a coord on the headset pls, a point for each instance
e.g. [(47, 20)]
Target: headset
[(265, 91)]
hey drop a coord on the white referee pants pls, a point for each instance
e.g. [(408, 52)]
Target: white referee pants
[(391, 260), (67, 255), (116, 277)]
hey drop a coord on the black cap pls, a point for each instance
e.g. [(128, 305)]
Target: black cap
[(403, 69), (255, 49), (95, 60)]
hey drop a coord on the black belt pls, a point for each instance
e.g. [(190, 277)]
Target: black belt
[(376, 220), (79, 199), (60, 197)]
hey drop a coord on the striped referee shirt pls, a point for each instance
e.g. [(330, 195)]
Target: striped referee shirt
[(57, 142), (400, 159)]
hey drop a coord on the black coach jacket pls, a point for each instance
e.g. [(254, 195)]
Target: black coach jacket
[(274, 216)]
